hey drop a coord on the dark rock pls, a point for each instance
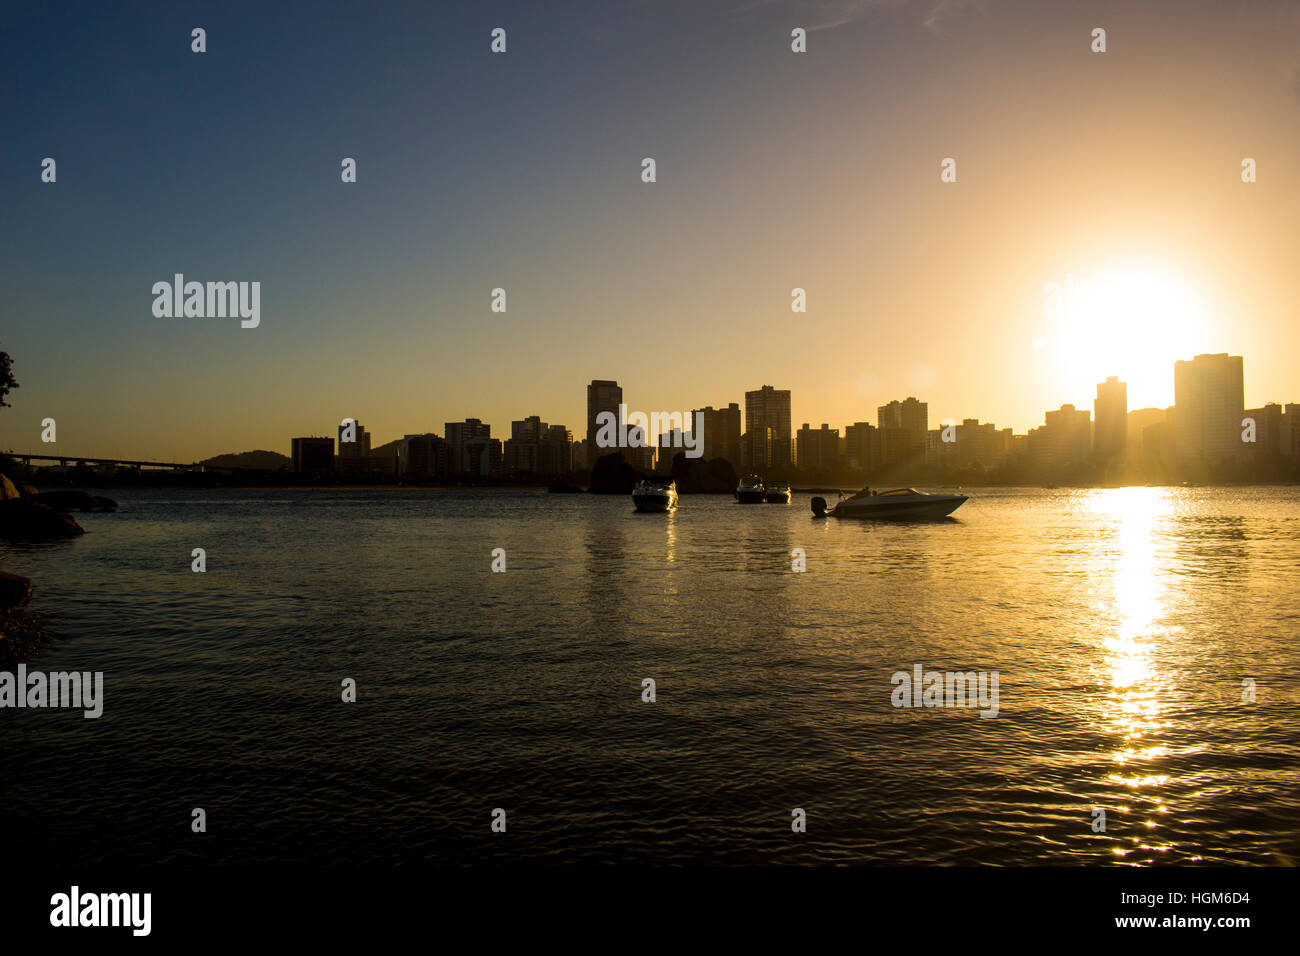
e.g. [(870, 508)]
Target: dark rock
[(28, 519), (611, 475), (7, 489), (15, 590), (105, 504), (697, 476), (66, 500)]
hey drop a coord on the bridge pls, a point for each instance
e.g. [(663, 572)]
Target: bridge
[(122, 462)]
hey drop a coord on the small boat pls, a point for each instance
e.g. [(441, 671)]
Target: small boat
[(750, 491), (895, 504), (654, 495), (777, 493)]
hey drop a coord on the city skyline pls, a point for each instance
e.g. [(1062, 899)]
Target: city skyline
[(1207, 425), (1120, 173)]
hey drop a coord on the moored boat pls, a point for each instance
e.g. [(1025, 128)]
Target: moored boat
[(895, 504), (777, 493), (654, 495), (750, 491)]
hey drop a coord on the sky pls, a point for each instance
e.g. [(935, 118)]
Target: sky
[(1118, 174)]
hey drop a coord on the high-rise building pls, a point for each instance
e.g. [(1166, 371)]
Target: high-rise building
[(602, 396), (1209, 399), (312, 454), (359, 445), (756, 449), (721, 438), (817, 447), (1291, 431), (556, 451), (459, 435), (769, 408), (523, 450), (1137, 422), (1269, 431), (422, 456), (483, 457), (903, 426), (1110, 416), (1064, 439), (862, 446), (979, 443)]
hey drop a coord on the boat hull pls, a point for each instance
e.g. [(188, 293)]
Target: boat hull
[(927, 508), (777, 497), (655, 503), (751, 497)]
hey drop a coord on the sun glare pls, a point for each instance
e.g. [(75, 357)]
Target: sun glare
[(1131, 323)]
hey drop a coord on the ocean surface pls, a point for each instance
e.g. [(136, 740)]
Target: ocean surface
[(1121, 623)]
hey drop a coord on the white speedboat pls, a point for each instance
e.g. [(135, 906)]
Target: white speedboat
[(897, 503), (652, 495), (750, 491), (777, 493)]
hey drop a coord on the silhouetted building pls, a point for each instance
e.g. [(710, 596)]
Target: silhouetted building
[(862, 446), (980, 444), (556, 451), (483, 457), (359, 446), (903, 426), (1064, 439), (1111, 421), (1268, 430), (756, 449), (459, 435), (602, 396), (1209, 402), (523, 449), (312, 454), (1159, 448), (769, 408), (1138, 420), (721, 438), (423, 456), (817, 448)]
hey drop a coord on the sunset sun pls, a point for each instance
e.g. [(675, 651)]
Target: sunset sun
[(1130, 322)]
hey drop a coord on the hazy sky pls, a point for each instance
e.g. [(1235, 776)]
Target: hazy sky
[(775, 170)]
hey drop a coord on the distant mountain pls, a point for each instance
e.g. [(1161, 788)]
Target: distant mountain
[(387, 450), (259, 460)]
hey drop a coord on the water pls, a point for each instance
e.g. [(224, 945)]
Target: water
[(1121, 623)]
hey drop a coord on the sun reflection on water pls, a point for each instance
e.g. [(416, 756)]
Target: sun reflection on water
[(1134, 703)]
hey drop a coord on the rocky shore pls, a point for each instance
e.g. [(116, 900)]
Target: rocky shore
[(30, 515)]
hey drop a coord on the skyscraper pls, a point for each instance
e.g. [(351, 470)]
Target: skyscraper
[(459, 435), (903, 428), (818, 447), (862, 446), (1062, 440), (1110, 413), (422, 456), (522, 451), (769, 408), (1209, 398), (602, 396), (359, 445), (721, 437)]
